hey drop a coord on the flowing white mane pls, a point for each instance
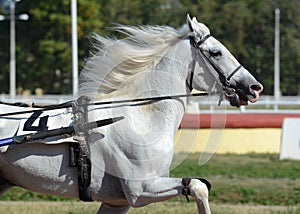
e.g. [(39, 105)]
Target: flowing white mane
[(116, 60)]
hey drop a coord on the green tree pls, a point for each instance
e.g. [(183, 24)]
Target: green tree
[(246, 27), (290, 47), (44, 43), (137, 12)]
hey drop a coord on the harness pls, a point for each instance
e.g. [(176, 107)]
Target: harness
[(79, 151), (133, 102), (228, 92)]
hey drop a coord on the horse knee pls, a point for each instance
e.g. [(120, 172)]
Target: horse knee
[(199, 188)]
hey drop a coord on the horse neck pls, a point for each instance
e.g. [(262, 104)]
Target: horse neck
[(168, 78)]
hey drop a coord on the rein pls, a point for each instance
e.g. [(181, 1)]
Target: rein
[(69, 103)]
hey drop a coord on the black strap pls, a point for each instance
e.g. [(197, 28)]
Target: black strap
[(84, 176), (197, 44), (69, 103), (78, 158), (233, 72), (191, 70), (186, 182), (186, 191), (18, 104), (84, 166)]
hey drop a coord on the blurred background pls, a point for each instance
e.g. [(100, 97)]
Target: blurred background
[(41, 57), (43, 39)]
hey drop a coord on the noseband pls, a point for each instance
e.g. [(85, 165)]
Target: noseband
[(225, 80)]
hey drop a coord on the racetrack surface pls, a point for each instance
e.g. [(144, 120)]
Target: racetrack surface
[(157, 208)]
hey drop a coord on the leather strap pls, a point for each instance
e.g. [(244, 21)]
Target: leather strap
[(186, 191)]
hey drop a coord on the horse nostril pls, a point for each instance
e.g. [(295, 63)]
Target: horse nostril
[(256, 87)]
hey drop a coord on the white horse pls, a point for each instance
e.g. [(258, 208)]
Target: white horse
[(130, 158)]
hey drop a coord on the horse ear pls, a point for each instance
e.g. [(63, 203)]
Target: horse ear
[(194, 19), (189, 22)]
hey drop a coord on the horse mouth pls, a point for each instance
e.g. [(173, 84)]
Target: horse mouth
[(234, 98), (243, 99), (239, 98)]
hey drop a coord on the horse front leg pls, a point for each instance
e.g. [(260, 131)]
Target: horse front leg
[(199, 189), (140, 193), (111, 209), (4, 185)]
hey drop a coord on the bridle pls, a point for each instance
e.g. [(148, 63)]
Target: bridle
[(225, 80)]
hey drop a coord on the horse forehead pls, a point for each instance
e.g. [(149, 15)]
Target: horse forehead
[(212, 42)]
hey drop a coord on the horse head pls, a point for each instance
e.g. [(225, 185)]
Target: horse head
[(237, 83)]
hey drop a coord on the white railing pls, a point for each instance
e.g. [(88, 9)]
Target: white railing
[(43, 99), (288, 104)]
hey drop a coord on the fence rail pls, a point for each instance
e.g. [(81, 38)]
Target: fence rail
[(266, 104), (290, 104), (42, 99)]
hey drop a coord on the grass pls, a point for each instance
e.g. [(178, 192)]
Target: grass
[(158, 208), (259, 182), (260, 179)]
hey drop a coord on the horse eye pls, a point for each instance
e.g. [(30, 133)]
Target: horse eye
[(215, 54)]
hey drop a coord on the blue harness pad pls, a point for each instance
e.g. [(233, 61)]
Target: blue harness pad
[(6, 141)]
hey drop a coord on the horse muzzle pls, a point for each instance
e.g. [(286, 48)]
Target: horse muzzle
[(233, 97), (237, 97), (255, 90)]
